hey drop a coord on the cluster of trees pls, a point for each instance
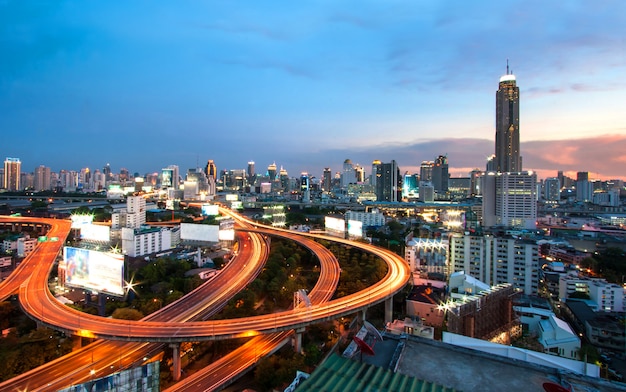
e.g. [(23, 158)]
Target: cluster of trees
[(390, 236), (26, 346), (359, 269), (289, 268), (609, 264)]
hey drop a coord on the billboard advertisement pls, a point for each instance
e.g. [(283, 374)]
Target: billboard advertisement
[(93, 232), (227, 229), (78, 220), (335, 224), (355, 229), (210, 209), (94, 270), (198, 232)]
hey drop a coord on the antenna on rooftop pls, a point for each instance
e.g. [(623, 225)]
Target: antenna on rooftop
[(507, 66)]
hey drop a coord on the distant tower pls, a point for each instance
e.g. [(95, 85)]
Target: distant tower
[(305, 188), (389, 182), (12, 173), (375, 166), (426, 171), (169, 177), (108, 173), (507, 125), (251, 175), (42, 178), (211, 170), (271, 172), (327, 179), (284, 179), (440, 176), (348, 176)]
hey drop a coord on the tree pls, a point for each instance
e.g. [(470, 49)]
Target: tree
[(127, 314)]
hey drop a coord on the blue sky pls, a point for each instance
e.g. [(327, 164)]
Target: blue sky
[(307, 84)]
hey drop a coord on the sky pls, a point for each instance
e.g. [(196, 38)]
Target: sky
[(307, 84)]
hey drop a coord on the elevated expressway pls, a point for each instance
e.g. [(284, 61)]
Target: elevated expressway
[(38, 302), (103, 357), (48, 250)]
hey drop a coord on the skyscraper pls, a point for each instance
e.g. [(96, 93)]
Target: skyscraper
[(251, 177), (440, 175), (388, 182), (348, 175), (426, 171), (327, 179), (509, 194), (305, 188), (211, 170), (507, 125), (12, 172), (42, 178), (271, 171), (375, 164)]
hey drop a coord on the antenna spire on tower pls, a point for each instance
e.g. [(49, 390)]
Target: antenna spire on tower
[(507, 66)]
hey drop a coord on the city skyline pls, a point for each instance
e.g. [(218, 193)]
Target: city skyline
[(144, 86)]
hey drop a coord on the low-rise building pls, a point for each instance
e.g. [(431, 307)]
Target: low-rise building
[(149, 240)]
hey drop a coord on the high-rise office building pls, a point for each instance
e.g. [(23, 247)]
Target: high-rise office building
[(305, 187), (509, 195), (170, 177), (584, 188), (327, 179), (440, 177), (12, 173), (211, 170), (552, 189), (251, 177), (108, 173), (359, 173), (507, 125), (271, 172), (42, 178), (388, 182), (375, 166), (284, 179), (348, 175), (426, 171)]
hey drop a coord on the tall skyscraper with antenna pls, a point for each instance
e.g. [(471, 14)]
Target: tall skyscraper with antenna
[(507, 124), (509, 194)]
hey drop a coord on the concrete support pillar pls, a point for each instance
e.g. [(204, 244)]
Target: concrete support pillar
[(175, 361), (297, 340), (77, 342), (389, 310)]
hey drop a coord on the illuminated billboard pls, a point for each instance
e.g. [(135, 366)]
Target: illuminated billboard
[(335, 224), (227, 229), (93, 270), (355, 229), (199, 232), (93, 232), (78, 220), (210, 209)]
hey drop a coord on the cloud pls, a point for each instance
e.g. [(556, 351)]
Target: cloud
[(602, 156)]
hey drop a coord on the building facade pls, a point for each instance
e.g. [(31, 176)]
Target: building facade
[(496, 260), (388, 182), (507, 125), (12, 174)]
